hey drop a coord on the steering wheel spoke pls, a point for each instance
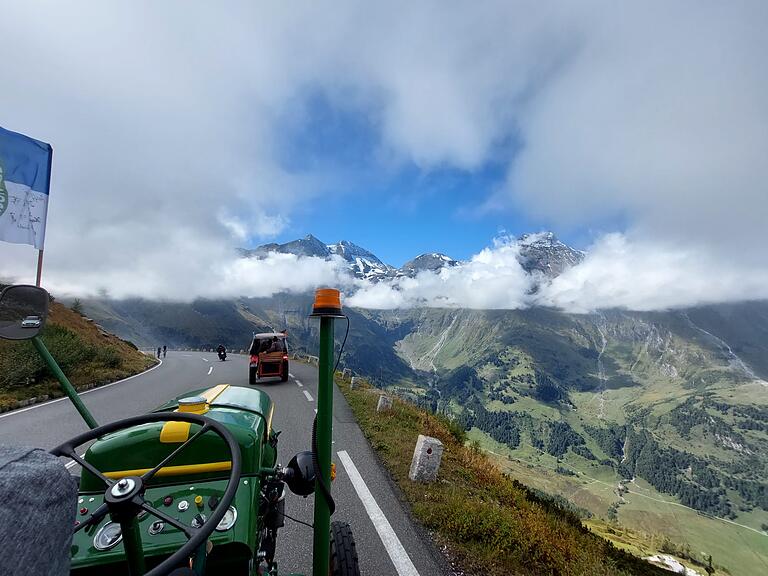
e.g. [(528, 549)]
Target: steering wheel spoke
[(95, 517), (188, 531), (88, 466)]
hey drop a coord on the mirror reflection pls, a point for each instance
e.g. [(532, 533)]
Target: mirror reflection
[(23, 310)]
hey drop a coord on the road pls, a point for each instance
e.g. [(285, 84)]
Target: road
[(364, 494)]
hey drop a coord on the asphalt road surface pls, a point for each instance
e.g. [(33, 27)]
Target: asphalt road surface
[(388, 543)]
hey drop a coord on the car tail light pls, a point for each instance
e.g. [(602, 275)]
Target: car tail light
[(285, 356), (254, 358)]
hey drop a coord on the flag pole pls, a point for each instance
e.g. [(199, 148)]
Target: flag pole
[(39, 267), (40, 252)]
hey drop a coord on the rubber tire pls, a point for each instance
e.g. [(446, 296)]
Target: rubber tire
[(252, 375), (343, 557), (284, 377)]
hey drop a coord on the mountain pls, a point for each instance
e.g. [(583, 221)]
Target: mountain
[(432, 262), (543, 252), (539, 253), (307, 246), (362, 263)]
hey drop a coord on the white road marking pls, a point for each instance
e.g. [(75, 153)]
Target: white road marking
[(19, 411), (289, 374), (72, 462), (315, 410), (299, 384), (391, 542), (308, 395), (204, 359), (210, 370)]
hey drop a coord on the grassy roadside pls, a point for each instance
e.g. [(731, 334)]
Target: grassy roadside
[(87, 355), (492, 524)]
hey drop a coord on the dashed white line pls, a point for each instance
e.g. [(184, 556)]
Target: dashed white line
[(204, 359), (391, 542), (289, 374), (308, 395), (19, 411), (210, 370), (315, 410), (299, 384)]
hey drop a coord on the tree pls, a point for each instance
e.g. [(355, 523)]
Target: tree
[(77, 306)]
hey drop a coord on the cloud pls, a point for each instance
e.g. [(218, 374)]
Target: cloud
[(167, 119), (616, 273), (619, 273), (492, 278)]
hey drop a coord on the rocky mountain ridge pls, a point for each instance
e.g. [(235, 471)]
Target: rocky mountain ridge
[(540, 253)]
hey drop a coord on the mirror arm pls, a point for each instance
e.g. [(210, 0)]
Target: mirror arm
[(65, 384)]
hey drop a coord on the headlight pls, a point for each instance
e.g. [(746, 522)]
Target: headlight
[(108, 536), (230, 517)]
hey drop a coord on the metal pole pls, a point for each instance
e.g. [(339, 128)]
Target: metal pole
[(39, 267), (322, 520), (66, 386)]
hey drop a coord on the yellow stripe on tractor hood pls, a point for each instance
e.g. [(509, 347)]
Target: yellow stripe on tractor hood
[(178, 432)]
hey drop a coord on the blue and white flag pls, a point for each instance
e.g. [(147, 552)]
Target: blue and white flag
[(25, 179)]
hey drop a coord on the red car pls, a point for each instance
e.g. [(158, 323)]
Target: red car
[(269, 356)]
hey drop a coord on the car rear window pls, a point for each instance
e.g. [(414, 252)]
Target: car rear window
[(261, 345)]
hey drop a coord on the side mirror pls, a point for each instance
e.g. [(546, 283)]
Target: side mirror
[(300, 474), (23, 310)]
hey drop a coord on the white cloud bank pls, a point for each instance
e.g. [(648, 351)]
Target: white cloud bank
[(167, 118), (616, 273)]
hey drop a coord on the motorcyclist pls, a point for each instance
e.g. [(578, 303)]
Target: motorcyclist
[(222, 351)]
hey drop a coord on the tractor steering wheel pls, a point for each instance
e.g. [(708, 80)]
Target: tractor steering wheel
[(124, 498)]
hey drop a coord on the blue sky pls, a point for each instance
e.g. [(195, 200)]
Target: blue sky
[(393, 208)]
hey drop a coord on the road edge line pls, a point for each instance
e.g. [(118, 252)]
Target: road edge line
[(395, 549)]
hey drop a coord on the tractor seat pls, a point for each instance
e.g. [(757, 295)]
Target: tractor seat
[(38, 501)]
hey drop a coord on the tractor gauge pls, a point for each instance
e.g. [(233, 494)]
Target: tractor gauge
[(230, 517), (108, 536)]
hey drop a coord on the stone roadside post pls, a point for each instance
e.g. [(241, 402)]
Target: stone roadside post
[(426, 459), (385, 403)]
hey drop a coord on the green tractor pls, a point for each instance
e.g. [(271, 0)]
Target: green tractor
[(192, 488)]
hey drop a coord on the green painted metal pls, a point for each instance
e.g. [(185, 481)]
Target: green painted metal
[(231, 548), (134, 553), (140, 448), (322, 519), (65, 384)]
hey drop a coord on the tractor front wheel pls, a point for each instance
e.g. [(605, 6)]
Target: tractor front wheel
[(343, 551), (284, 377), (252, 375)]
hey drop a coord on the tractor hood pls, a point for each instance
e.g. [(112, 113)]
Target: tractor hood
[(247, 413)]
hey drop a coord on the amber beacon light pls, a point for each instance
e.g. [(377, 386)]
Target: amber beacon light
[(327, 303)]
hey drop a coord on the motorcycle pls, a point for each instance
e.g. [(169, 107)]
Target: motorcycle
[(222, 355)]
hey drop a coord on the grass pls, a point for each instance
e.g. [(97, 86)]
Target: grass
[(88, 356), (647, 518), (492, 524)]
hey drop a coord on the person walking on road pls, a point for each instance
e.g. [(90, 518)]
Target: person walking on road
[(158, 352), (165, 351)]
